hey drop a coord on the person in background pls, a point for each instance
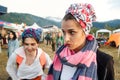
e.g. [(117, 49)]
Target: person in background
[(28, 61), (79, 57), (4, 40), (48, 38), (0, 43), (13, 42), (59, 39), (53, 41)]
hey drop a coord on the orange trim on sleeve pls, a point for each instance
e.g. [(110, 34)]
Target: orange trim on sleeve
[(37, 78), (42, 59), (19, 59)]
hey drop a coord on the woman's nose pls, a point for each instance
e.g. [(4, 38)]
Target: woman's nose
[(66, 38), (29, 47)]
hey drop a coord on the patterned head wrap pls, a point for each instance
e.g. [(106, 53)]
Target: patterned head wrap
[(33, 33), (84, 14)]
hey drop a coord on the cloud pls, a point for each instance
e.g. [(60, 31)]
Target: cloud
[(105, 9), (114, 4)]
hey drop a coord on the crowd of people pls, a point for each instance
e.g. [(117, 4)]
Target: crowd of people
[(55, 39), (76, 51)]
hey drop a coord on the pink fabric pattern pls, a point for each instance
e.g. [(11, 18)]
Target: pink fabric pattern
[(84, 14), (56, 63), (84, 60), (84, 78), (50, 77)]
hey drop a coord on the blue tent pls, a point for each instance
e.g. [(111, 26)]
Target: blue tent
[(1, 23)]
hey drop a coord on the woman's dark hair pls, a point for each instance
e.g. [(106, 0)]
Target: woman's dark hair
[(14, 35), (69, 16)]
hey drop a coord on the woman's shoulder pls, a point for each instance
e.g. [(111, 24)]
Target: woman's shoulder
[(40, 51), (103, 57), (103, 54), (105, 65), (20, 50)]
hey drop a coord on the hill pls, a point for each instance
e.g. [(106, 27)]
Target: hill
[(112, 23), (29, 19)]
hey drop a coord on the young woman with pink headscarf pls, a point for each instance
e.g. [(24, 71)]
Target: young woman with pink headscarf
[(79, 58)]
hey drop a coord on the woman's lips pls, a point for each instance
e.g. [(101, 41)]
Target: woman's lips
[(68, 45)]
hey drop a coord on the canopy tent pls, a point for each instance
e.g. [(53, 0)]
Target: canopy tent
[(34, 26), (2, 23), (117, 30), (10, 26), (51, 28), (116, 38), (103, 31)]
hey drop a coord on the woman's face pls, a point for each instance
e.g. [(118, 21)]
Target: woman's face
[(59, 34), (74, 36), (11, 35), (30, 45)]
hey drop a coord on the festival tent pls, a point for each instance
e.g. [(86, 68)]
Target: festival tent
[(51, 28), (116, 38), (23, 24), (117, 30), (103, 31), (10, 26), (55, 28), (1, 23), (7, 25), (34, 26)]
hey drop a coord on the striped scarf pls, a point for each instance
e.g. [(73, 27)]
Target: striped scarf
[(84, 60)]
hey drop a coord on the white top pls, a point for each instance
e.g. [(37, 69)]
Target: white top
[(67, 72), (26, 71)]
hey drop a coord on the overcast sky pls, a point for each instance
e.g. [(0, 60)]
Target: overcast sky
[(105, 9)]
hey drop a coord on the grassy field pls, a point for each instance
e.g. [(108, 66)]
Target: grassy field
[(110, 50)]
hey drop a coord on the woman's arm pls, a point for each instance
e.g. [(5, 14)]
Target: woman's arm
[(48, 61), (12, 67), (110, 70)]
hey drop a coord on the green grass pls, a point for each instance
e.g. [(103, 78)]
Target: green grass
[(109, 50), (113, 52)]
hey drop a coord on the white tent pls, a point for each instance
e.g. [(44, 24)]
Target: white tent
[(10, 26), (20, 27), (104, 31), (117, 30), (34, 26), (51, 28), (46, 30)]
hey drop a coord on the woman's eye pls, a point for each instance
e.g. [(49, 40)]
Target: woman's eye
[(63, 33), (26, 44), (72, 32), (33, 44)]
